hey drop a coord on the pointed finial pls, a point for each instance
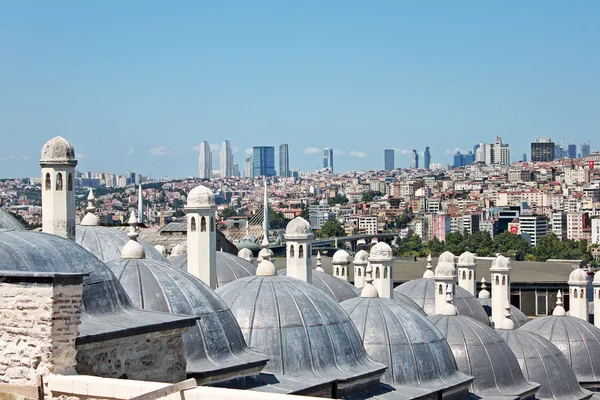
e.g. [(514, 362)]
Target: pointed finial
[(319, 263), (369, 290), (508, 323), (559, 309), (132, 248), (483, 293), (428, 272), (90, 219), (449, 309)]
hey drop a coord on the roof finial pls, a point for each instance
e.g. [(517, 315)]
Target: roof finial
[(90, 219), (428, 272), (265, 241), (319, 263), (369, 290), (449, 309), (508, 323), (483, 293), (559, 309), (132, 248)]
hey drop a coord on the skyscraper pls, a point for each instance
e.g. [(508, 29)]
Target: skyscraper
[(328, 159), (263, 161), (572, 151), (501, 152), (542, 150), (205, 161), (284, 161), (226, 160), (388, 159), (585, 149), (415, 159), (248, 171), (427, 158)]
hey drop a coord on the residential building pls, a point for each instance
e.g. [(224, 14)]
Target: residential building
[(533, 227), (559, 225), (318, 214), (596, 231), (248, 169), (501, 152), (542, 150), (364, 225), (577, 222), (263, 161)]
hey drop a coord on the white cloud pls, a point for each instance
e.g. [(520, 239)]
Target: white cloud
[(236, 150), (196, 148), (83, 156), (25, 157), (452, 152), (214, 147), (162, 151), (311, 150), (130, 152), (249, 151), (358, 154), (339, 153), (403, 152)]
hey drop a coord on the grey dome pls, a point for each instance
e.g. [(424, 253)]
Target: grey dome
[(414, 351), (336, 288), (542, 362), (305, 335), (229, 267), (58, 149), (107, 243), (215, 347), (422, 292), (9, 222), (577, 339), (517, 316), (106, 307), (479, 351)]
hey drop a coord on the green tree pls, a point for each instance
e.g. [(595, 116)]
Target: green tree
[(511, 245), (331, 228), (338, 199), (402, 220), (370, 195), (409, 246), (228, 212), (435, 247)]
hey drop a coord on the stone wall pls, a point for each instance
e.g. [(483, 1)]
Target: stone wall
[(156, 356)]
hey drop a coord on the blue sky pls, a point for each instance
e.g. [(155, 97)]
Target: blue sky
[(138, 84)]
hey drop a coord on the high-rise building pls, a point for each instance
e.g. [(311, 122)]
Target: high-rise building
[(415, 159), (226, 159), (462, 160), (263, 161), (572, 151), (480, 153), (284, 161), (501, 152), (542, 150), (585, 149), (205, 161), (427, 158), (559, 152), (388, 159), (236, 169), (248, 169), (328, 159)]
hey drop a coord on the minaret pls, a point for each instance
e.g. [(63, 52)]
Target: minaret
[(483, 293), (578, 294), (58, 196), (133, 249), (141, 205), (382, 261), (201, 236), (500, 271), (90, 219), (298, 237), (559, 310), (428, 272), (597, 298), (361, 260), (466, 272), (319, 266), (444, 278), (341, 263)]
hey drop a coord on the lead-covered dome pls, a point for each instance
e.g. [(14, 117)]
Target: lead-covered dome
[(414, 351), (107, 243), (298, 228), (229, 267), (380, 251), (578, 276), (336, 288), (306, 336), (422, 292), (479, 351), (200, 196), (361, 257), (58, 149), (466, 259), (578, 340), (543, 363), (9, 222), (215, 348), (517, 316)]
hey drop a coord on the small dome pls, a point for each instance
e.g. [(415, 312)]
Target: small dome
[(517, 316), (337, 289), (542, 362), (266, 253), (216, 342), (597, 277), (58, 150), (229, 267), (200, 196), (341, 257), (467, 259), (178, 250), (444, 270), (361, 257), (578, 340), (578, 276), (161, 249), (447, 257), (304, 334), (422, 292), (9, 222), (245, 254), (500, 263), (414, 351), (298, 228), (381, 251), (479, 351), (265, 268)]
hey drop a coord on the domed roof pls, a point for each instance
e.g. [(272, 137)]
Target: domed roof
[(446, 257), (480, 352), (500, 263), (59, 150), (444, 270), (466, 259), (200, 196), (304, 334), (578, 340), (336, 288), (9, 222), (517, 316), (361, 257), (414, 351), (245, 254), (229, 267), (380, 251), (597, 277), (107, 243), (422, 292), (543, 363), (578, 275), (298, 228), (215, 345), (341, 257)]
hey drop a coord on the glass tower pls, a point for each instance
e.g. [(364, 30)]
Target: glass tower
[(263, 161)]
